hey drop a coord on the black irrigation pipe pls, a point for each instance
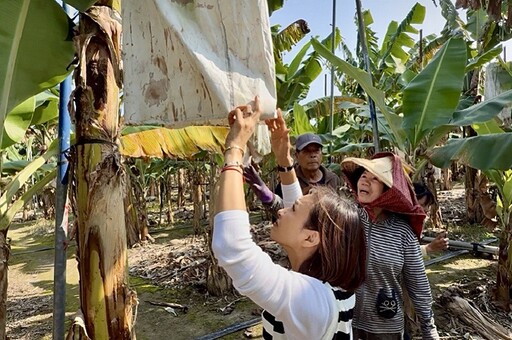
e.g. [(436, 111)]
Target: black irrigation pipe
[(230, 329)]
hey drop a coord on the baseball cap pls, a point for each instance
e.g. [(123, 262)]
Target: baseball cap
[(306, 139)]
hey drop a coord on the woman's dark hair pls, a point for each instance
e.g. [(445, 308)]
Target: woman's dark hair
[(421, 190), (341, 255)]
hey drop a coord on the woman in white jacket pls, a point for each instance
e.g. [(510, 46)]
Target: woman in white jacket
[(321, 233)]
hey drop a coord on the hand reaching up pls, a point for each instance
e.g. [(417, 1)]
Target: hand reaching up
[(242, 122), (280, 139)]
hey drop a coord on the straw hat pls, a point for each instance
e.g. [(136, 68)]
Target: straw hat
[(382, 167)]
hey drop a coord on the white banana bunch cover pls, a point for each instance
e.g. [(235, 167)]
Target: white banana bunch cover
[(189, 62)]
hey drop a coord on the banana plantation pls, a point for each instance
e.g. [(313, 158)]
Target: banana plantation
[(106, 231)]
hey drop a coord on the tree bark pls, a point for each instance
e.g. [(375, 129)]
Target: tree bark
[(197, 198), (99, 181), (504, 276), (181, 188), (131, 216), (471, 185), (5, 250)]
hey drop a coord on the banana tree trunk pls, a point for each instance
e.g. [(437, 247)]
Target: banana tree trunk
[(181, 187), (99, 178), (4, 258), (131, 216), (197, 198), (471, 180), (504, 276)]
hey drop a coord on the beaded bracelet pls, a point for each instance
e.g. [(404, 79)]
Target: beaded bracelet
[(231, 147)]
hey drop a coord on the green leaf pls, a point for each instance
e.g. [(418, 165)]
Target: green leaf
[(507, 188), (17, 181), (397, 39), (488, 127), (297, 60), (35, 49), (321, 107), (479, 152), (485, 58), (363, 78), (432, 96), (46, 111), (274, 5), (6, 218), (17, 122), (301, 122), (13, 167), (482, 112), (297, 85)]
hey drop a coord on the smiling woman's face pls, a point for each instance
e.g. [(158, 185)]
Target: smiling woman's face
[(369, 187)]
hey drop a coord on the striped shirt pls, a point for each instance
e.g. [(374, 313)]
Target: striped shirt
[(274, 329), (394, 257)]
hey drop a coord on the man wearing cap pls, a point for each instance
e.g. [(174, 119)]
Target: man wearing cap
[(308, 167)]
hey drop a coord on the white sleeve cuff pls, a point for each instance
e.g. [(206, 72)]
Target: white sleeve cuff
[(423, 248), (291, 192)]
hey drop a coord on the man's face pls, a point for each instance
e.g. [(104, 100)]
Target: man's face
[(310, 157)]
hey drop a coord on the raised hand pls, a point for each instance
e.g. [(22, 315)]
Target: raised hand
[(242, 122), (280, 139)]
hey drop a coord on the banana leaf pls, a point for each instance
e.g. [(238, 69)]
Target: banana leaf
[(431, 97), (484, 58), (483, 111), (488, 127), (34, 189), (173, 143), (397, 38), (17, 181), (47, 108), (480, 152), (17, 122), (13, 167), (363, 78), (321, 107), (301, 122), (35, 49), (297, 85), (274, 5)]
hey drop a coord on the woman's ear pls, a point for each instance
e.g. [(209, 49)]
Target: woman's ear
[(312, 238)]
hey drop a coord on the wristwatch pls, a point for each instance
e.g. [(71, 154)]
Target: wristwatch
[(284, 168)]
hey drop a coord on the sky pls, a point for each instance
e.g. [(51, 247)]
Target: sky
[(318, 14)]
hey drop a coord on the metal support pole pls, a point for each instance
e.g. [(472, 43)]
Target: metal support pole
[(364, 51), (61, 212), (333, 47)]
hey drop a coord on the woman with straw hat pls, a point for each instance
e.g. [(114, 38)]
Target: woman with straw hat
[(321, 233), (393, 221)]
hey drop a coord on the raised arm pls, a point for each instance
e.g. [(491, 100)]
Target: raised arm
[(242, 122), (281, 146)]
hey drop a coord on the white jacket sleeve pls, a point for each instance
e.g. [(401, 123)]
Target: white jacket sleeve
[(291, 192), (301, 302)]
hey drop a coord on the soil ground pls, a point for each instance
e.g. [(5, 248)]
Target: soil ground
[(173, 271)]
